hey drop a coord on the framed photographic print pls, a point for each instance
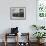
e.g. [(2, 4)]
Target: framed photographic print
[(18, 13)]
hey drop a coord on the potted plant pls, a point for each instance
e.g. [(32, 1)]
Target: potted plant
[(39, 35)]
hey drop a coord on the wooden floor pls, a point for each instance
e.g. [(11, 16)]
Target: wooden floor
[(13, 44)]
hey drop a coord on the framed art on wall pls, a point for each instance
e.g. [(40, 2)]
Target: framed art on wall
[(41, 12), (41, 8), (18, 13)]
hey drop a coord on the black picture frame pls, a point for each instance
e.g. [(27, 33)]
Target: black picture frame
[(17, 13)]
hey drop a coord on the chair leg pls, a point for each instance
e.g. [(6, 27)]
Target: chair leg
[(5, 43)]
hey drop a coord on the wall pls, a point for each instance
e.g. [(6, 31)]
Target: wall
[(24, 25)]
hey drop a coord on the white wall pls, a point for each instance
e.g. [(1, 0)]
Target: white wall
[(24, 25)]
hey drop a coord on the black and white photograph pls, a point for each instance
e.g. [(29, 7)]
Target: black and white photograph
[(18, 13)]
